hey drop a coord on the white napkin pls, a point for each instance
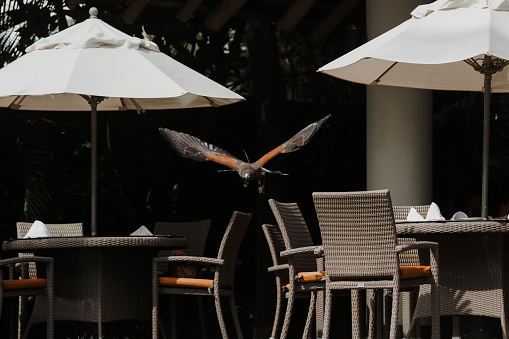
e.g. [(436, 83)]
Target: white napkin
[(413, 215), (142, 231), (459, 216), (38, 230), (434, 213)]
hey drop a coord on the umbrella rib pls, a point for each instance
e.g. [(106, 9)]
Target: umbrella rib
[(487, 65), (14, 105), (139, 109), (212, 103), (377, 80)]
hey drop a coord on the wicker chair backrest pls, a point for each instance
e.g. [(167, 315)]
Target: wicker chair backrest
[(229, 248), (411, 257), (401, 212), (276, 245), (295, 233), (55, 230), (196, 233), (358, 234)]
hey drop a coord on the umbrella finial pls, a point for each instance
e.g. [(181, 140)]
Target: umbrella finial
[(93, 12)]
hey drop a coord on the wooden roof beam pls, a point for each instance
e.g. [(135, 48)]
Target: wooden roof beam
[(223, 12), (133, 10), (294, 15), (338, 14), (188, 10)]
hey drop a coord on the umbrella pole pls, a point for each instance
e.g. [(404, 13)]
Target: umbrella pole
[(486, 145), (93, 101), (93, 170)]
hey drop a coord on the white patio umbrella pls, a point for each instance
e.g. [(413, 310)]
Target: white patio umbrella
[(91, 66), (460, 45)]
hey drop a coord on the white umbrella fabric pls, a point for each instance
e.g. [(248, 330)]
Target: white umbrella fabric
[(460, 45), (92, 66)]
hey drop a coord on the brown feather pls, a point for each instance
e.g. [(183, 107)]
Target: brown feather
[(222, 159), (188, 146), (296, 142)]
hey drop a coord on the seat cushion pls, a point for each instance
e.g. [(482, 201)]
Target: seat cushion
[(185, 282), (310, 276), (408, 272), (304, 277), (18, 284)]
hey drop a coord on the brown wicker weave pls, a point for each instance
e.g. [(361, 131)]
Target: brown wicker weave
[(280, 268), (223, 278), (196, 233), (408, 258), (55, 230), (302, 257), (401, 212), (98, 279), (473, 267), (361, 252), (44, 292)]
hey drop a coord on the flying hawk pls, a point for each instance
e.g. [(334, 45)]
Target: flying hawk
[(188, 146)]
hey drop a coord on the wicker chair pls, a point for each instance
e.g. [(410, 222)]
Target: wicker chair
[(280, 268), (196, 233), (15, 287), (361, 252), (409, 258), (304, 265), (222, 284), (55, 230)]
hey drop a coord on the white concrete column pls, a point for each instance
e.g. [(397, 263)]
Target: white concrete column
[(399, 122)]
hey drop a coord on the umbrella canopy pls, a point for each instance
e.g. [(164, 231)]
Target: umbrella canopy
[(92, 66), (460, 45)]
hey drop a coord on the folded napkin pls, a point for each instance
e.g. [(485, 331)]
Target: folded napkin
[(413, 215), (142, 231), (459, 216), (37, 230), (434, 213)]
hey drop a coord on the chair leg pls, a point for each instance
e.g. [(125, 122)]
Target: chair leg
[(435, 312), (371, 302), (320, 300), (309, 318), (435, 295), (235, 317), (288, 315), (327, 313), (503, 323), (173, 315), (219, 313), (155, 300), (394, 313), (379, 295), (50, 325), (201, 318), (356, 330), (277, 315), (161, 329)]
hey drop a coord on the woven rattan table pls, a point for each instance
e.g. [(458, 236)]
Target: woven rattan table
[(473, 270), (99, 279)]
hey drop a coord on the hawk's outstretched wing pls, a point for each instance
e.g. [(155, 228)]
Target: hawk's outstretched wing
[(191, 147), (296, 142)]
